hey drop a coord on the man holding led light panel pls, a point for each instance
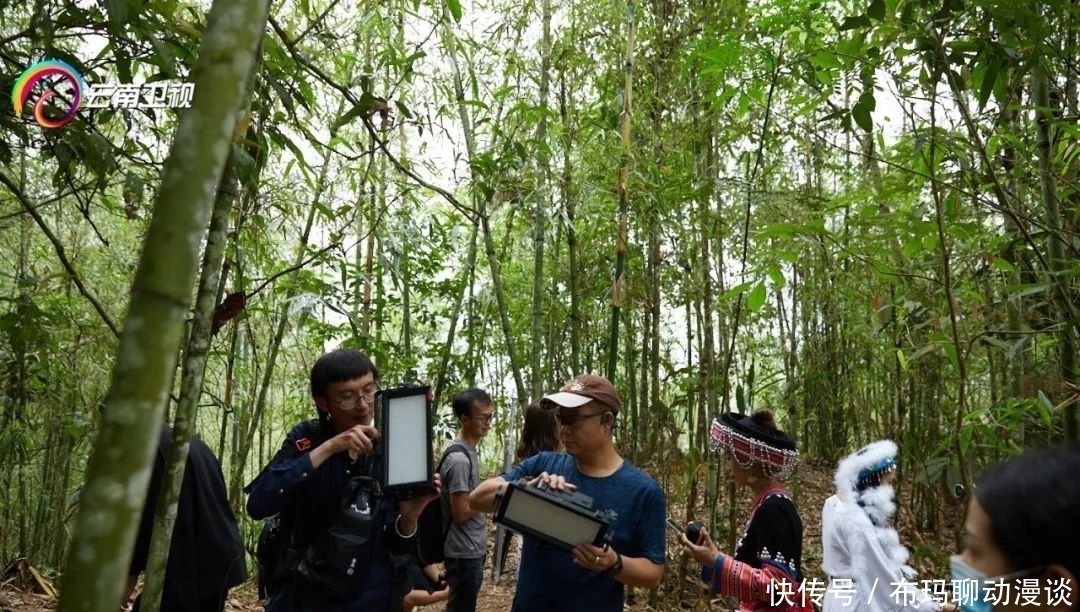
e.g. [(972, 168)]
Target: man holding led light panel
[(306, 484), (590, 556)]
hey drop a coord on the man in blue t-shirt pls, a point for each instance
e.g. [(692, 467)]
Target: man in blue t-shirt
[(589, 578)]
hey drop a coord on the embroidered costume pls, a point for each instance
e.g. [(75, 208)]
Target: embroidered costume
[(866, 564), (764, 573)]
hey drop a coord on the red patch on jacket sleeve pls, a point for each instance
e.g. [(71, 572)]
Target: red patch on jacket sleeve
[(303, 444)]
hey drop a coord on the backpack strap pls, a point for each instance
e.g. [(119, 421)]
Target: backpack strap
[(448, 517), (454, 448)]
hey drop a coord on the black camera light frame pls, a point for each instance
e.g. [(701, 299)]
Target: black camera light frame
[(399, 429), (550, 516)]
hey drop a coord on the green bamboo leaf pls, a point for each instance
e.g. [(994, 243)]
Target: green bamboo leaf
[(901, 359), (163, 56), (989, 79), (777, 276), (1046, 408), (876, 10), (283, 140), (455, 9), (924, 349), (861, 114), (850, 47), (855, 22), (824, 59), (117, 11), (365, 105), (782, 229), (1003, 265), (1026, 290), (283, 95), (734, 292), (954, 357), (756, 299)]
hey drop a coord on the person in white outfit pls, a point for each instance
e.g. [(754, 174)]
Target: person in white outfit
[(866, 564)]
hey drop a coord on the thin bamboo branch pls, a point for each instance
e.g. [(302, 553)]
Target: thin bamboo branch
[(59, 248)]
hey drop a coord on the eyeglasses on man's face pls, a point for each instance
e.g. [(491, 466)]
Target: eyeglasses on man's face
[(349, 399), (575, 420), (486, 418)]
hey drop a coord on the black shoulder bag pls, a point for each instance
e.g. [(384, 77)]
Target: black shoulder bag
[(338, 559)]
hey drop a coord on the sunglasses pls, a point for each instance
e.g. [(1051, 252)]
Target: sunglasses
[(575, 420)]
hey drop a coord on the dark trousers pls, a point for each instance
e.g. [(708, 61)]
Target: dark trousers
[(464, 577), (213, 603)]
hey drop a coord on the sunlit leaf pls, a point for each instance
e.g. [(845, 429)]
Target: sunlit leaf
[(757, 296), (825, 59), (454, 6)]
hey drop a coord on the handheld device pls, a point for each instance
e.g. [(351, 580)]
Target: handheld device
[(693, 531), (562, 519), (407, 467), (672, 525)]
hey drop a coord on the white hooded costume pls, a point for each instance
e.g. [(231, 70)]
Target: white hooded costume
[(866, 564)]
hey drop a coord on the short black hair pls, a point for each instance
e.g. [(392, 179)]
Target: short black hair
[(1033, 502), (337, 366), (464, 400)]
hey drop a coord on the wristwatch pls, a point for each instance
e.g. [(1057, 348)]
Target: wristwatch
[(615, 567)]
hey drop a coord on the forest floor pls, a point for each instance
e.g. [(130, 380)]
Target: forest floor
[(21, 588)]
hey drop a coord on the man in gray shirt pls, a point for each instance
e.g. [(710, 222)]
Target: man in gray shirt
[(466, 542)]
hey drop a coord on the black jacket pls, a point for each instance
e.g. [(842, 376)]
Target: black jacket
[(206, 556)]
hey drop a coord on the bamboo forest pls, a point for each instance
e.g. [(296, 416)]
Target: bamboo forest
[(859, 215)]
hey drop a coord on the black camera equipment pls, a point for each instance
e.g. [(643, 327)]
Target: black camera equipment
[(562, 519), (405, 446)]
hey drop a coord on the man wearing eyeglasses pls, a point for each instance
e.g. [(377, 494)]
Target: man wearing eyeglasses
[(590, 578), (304, 485), (466, 541)]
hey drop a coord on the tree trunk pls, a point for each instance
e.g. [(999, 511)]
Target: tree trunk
[(1059, 234), (570, 202), (543, 168), (624, 192), (504, 317), (1019, 364), (119, 468), (191, 381), (957, 356)]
